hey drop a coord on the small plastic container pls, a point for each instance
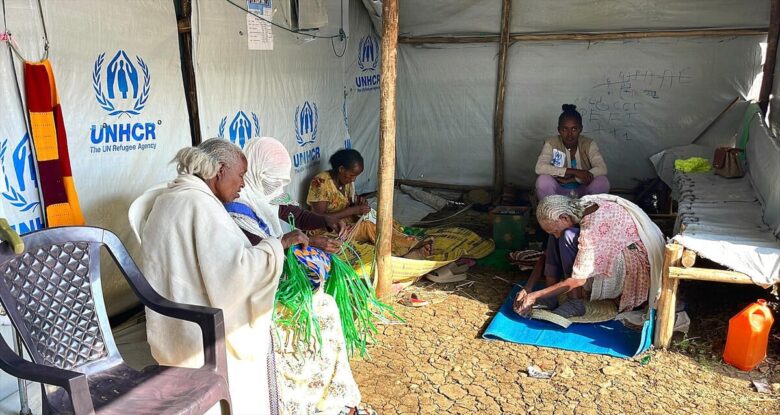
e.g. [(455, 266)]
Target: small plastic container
[(748, 336), (509, 224)]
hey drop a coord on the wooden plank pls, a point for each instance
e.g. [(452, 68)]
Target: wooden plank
[(433, 185), (498, 112), (586, 37), (387, 137), (771, 56), (705, 274), (666, 304), (688, 258)]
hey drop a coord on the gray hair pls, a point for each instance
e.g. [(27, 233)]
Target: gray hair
[(552, 207), (205, 159)]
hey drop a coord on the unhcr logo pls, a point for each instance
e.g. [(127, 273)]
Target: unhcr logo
[(306, 123), (125, 94), (124, 90), (368, 54), (21, 189), (367, 61), (241, 128), (306, 120)]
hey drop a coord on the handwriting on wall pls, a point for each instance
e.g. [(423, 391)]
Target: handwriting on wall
[(617, 103)]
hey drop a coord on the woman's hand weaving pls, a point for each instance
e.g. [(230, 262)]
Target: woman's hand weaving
[(295, 237), (524, 302), (328, 245)]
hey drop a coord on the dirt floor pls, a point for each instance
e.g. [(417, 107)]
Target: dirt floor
[(437, 362)]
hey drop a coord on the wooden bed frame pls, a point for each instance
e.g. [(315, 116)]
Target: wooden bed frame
[(678, 265)]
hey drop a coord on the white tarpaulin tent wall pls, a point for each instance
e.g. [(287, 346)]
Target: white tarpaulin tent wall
[(774, 103), (314, 95), (121, 134), (637, 97)]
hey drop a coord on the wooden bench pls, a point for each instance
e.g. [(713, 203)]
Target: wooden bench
[(732, 222)]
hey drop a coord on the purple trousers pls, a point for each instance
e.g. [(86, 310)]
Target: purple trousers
[(560, 254), (546, 185)]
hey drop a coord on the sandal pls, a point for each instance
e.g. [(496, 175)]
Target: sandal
[(448, 273), (412, 300)]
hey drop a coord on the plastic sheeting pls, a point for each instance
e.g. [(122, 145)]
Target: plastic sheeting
[(305, 92), (121, 134), (636, 97), (763, 155), (437, 17), (774, 101)]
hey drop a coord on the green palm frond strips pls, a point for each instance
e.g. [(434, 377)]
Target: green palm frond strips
[(294, 296), (357, 303), (354, 296)]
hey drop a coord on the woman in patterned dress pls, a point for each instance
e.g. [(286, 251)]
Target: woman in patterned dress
[(597, 251), (332, 192)]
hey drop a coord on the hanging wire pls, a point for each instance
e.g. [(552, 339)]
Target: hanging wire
[(14, 49), (282, 27), (45, 33), (333, 45), (15, 46), (342, 35)]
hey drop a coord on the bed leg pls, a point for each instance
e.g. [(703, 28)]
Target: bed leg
[(666, 304)]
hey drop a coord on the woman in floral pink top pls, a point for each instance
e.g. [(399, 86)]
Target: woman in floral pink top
[(611, 260)]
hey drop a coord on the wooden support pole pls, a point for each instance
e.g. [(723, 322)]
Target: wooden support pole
[(387, 136), (498, 114), (688, 258), (771, 56), (711, 275), (664, 321), (188, 68), (586, 37)]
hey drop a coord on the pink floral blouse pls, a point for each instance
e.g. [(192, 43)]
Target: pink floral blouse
[(605, 235)]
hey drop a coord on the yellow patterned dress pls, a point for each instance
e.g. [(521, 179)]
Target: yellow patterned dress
[(323, 189)]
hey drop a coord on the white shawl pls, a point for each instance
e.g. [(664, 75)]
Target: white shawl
[(268, 171), (651, 237), (194, 253)]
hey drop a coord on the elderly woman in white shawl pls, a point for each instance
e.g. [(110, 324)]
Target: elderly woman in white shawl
[(313, 381), (602, 247), (194, 253)]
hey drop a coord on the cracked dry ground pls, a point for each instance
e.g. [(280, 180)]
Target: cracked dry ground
[(437, 363)]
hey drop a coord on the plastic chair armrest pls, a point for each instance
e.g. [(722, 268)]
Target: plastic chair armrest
[(212, 325), (75, 383)]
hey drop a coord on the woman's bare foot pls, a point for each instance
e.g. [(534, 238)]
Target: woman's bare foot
[(422, 250)]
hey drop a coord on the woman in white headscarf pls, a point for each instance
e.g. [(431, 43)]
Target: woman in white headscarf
[(309, 381), (256, 210)]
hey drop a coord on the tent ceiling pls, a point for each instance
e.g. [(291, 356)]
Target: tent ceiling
[(469, 17)]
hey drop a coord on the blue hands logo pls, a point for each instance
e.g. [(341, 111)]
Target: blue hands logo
[(126, 93), (22, 161), (306, 118), (368, 53), (241, 128)]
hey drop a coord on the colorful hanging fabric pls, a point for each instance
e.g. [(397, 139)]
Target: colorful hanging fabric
[(60, 201)]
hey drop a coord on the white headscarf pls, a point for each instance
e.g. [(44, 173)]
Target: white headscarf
[(268, 172)]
